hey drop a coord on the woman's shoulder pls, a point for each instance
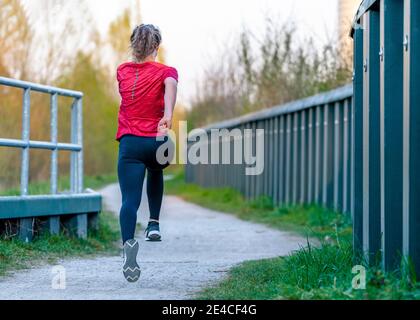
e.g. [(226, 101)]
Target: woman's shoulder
[(167, 71), (125, 64), (163, 66)]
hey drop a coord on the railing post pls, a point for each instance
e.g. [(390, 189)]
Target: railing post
[(54, 222), (25, 224), (411, 133), (80, 163), (77, 224), (73, 155)]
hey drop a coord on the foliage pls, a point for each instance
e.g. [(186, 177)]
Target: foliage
[(280, 70), (118, 35)]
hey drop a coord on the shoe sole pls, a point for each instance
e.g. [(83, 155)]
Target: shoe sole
[(131, 269), (154, 238)]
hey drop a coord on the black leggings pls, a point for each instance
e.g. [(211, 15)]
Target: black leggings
[(136, 155)]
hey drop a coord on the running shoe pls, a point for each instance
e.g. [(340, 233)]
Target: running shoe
[(131, 269), (153, 232)]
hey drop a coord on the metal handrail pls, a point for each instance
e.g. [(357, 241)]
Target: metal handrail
[(75, 147), (40, 88)]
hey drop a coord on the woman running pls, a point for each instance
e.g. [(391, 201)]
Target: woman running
[(148, 95)]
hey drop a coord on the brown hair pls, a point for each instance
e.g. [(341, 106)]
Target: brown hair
[(145, 39)]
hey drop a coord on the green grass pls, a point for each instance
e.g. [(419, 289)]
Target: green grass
[(321, 272), (311, 221), (15, 254), (309, 274)]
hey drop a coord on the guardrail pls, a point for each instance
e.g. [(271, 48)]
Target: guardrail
[(307, 153), (76, 210)]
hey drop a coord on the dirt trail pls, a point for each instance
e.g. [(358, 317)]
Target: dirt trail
[(199, 246)]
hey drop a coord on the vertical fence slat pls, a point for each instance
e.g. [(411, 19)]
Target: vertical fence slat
[(295, 159), (271, 161), (411, 145), (310, 157), (318, 151), (288, 155), (337, 156), (282, 174), (303, 157), (276, 161), (371, 155), (327, 180), (346, 158), (391, 130), (357, 133)]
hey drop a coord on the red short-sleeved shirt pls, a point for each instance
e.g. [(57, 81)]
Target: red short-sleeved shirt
[(142, 91)]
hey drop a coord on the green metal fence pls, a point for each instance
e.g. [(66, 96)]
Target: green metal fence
[(356, 151), (307, 152), (387, 99)]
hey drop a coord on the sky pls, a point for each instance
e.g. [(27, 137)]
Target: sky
[(195, 32)]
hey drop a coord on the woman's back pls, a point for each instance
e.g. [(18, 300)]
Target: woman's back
[(142, 89)]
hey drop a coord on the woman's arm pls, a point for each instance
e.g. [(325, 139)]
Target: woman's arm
[(171, 89)]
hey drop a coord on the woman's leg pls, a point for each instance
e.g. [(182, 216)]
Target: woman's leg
[(155, 192), (131, 174)]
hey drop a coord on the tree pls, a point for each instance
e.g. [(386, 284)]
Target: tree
[(119, 35), (15, 39), (277, 71)]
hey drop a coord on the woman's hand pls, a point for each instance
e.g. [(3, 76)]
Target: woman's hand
[(165, 125)]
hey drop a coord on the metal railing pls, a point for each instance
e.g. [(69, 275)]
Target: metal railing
[(307, 153), (26, 206)]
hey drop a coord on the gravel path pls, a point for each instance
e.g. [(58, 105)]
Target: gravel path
[(199, 246)]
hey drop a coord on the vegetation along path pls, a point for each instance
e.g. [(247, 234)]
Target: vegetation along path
[(199, 247)]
